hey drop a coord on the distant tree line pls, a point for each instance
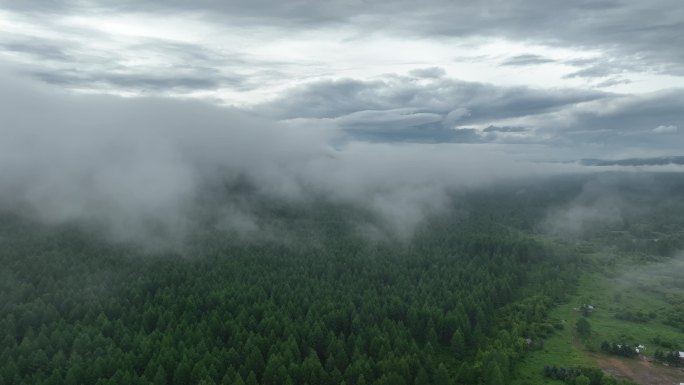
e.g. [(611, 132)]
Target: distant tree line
[(582, 376), (670, 358), (623, 350)]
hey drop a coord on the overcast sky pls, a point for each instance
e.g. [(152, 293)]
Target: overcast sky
[(588, 78), (123, 106)]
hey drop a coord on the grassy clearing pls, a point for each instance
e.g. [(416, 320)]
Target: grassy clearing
[(650, 292)]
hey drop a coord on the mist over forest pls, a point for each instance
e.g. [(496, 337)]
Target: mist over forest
[(140, 169), (341, 193), (128, 165)]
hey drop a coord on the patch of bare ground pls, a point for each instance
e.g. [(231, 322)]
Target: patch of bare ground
[(641, 370)]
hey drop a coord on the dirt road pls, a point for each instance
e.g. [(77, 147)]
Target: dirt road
[(641, 371)]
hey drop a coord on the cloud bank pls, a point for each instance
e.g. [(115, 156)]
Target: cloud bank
[(136, 166), (311, 99)]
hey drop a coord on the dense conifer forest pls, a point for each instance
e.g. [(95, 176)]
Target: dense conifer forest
[(317, 302), (341, 192)]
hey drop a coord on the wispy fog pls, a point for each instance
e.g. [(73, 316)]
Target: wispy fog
[(136, 167)]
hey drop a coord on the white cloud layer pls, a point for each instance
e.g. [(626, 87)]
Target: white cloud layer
[(665, 129), (243, 53), (132, 165), (387, 104)]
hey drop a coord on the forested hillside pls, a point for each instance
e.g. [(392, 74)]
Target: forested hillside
[(318, 302)]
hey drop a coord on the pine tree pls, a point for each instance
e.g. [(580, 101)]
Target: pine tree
[(251, 379), (182, 375), (494, 376), (238, 380), (442, 376), (421, 378), (160, 376), (583, 327), (458, 344)]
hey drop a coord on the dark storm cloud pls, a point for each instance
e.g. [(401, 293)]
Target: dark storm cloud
[(396, 118), (200, 58), (527, 59), (644, 125), (643, 31), (440, 104), (503, 129), (138, 82), (595, 72), (179, 66), (402, 125), (334, 98), (612, 71), (605, 67), (427, 134), (39, 50), (613, 81), (635, 112), (193, 53), (431, 72), (401, 109), (42, 6), (628, 29)]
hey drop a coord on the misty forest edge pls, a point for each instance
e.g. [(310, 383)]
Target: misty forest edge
[(315, 299)]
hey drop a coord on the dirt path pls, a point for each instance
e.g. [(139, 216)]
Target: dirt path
[(641, 371)]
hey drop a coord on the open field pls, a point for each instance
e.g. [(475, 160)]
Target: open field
[(640, 371), (650, 293)]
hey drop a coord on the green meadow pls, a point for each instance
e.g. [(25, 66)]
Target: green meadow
[(634, 302)]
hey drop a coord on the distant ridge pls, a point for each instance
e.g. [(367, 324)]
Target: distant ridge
[(657, 161)]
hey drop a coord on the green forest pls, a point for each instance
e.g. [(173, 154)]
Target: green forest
[(465, 300)]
